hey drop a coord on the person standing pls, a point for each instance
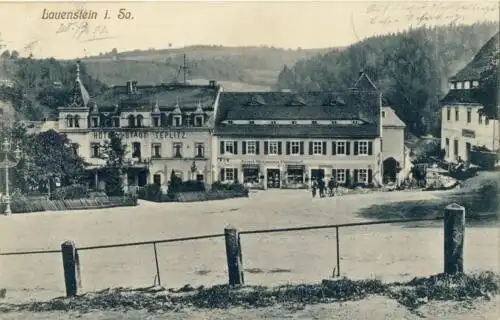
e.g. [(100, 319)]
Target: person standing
[(314, 186)]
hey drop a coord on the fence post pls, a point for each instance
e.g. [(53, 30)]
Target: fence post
[(234, 256), (71, 268), (454, 228)]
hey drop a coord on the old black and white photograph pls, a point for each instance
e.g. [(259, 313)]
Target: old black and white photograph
[(237, 160)]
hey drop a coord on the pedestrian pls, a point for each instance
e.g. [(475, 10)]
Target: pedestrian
[(331, 186), (314, 185), (321, 188)]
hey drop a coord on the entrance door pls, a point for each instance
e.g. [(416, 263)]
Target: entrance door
[(317, 174), (468, 148), (273, 178)]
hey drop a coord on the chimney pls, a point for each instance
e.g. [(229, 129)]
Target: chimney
[(129, 87)]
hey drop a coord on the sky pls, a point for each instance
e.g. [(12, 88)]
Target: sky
[(284, 24)]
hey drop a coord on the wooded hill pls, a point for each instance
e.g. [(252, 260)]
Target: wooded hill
[(411, 68)]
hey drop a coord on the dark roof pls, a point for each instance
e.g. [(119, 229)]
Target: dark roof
[(302, 131), (354, 104), (167, 96), (461, 96), (481, 61)]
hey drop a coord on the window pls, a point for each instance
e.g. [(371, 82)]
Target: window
[(95, 122), (95, 150), (177, 121), (177, 150), (475, 83), (140, 121), (467, 85), (452, 85), (447, 143), (469, 115), (294, 122), (314, 122), (273, 122), (459, 85), (188, 121), (457, 113), (77, 121), (156, 150), (231, 122), (200, 150), (363, 147), (156, 121), (251, 122), (363, 175), (229, 174), (383, 114), (455, 147), (317, 147), (295, 147), (228, 146), (448, 114), (116, 122), (136, 150), (199, 121), (69, 121), (251, 147), (273, 147), (341, 147), (480, 119), (341, 176), (131, 121)]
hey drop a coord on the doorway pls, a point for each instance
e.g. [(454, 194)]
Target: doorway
[(317, 174), (273, 178), (390, 170)]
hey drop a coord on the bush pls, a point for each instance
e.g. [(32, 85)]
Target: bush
[(238, 187), (76, 191), (191, 186)]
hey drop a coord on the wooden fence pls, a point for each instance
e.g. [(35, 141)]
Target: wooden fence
[(454, 228)]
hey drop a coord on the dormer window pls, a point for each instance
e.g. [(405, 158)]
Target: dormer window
[(177, 121), (95, 122), (467, 85), (140, 121), (69, 121), (459, 85), (156, 122), (198, 121), (475, 84)]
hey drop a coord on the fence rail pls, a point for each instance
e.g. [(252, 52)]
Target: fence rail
[(454, 222)]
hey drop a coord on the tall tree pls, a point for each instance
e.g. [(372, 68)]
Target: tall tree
[(114, 152), (489, 89)]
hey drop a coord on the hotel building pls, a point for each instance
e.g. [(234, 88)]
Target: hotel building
[(164, 127)]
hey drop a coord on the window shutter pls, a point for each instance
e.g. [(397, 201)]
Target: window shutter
[(257, 147), (334, 148), (288, 147), (324, 148), (347, 177), (355, 175), (348, 147), (266, 147), (302, 147), (222, 147), (279, 147), (243, 147), (235, 175), (310, 148), (356, 147), (235, 146), (370, 175), (370, 148), (222, 174)]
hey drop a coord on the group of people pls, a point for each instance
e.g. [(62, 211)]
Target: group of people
[(322, 186)]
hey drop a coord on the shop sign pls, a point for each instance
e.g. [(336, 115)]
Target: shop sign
[(159, 135)]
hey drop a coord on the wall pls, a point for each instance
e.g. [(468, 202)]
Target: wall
[(452, 129)]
